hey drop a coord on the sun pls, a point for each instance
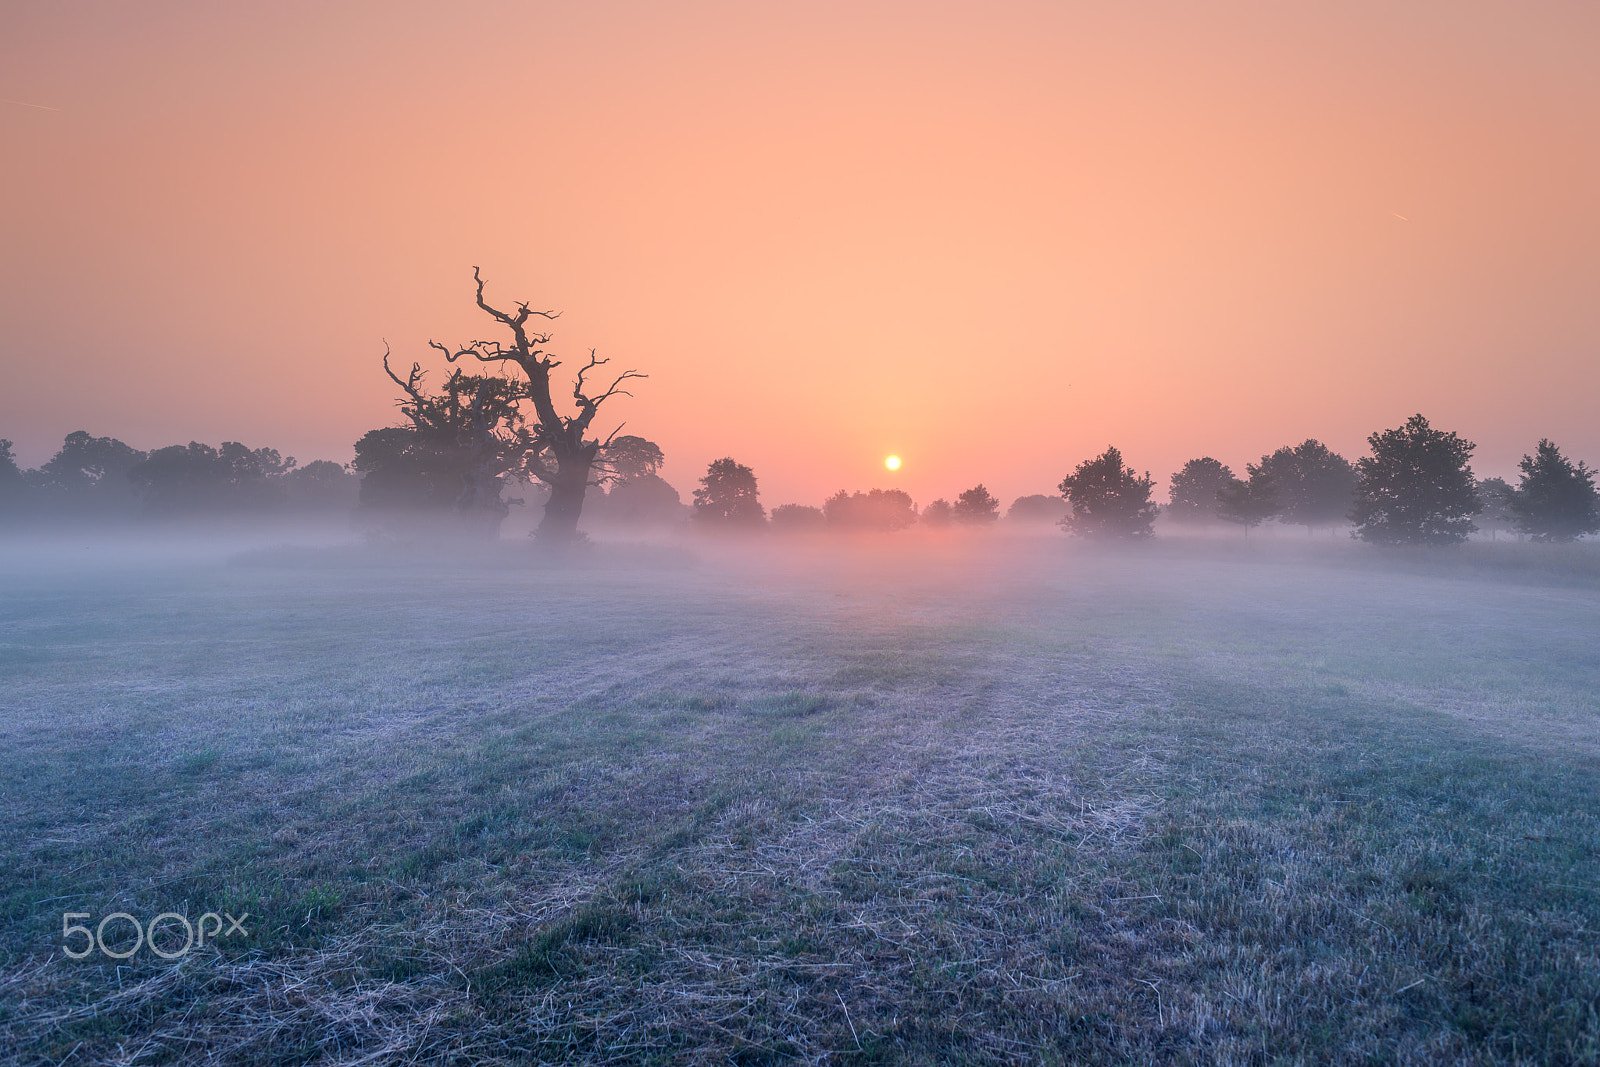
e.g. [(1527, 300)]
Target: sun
[(893, 463)]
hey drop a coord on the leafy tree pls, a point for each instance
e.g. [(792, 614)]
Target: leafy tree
[(1555, 500), (938, 514), (637, 494), (1192, 495), (322, 485), (455, 456), (1315, 484), (727, 496), (1249, 502), (88, 472), (628, 457), (976, 507), (798, 518), (641, 499), (196, 477), (558, 451), (12, 485), (1037, 508), (879, 509), (1497, 514), (1416, 487), (1108, 499)]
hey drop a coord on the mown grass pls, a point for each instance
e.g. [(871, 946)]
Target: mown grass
[(1060, 807)]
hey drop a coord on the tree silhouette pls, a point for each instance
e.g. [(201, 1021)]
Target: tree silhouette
[(938, 514), (627, 457), (455, 456), (559, 452), (1037, 508), (976, 507), (1555, 500), (88, 473), (198, 478), (1109, 500), (727, 496), (1495, 496), (798, 518), (1416, 487), (1250, 502), (1315, 485), (1192, 494), (879, 509)]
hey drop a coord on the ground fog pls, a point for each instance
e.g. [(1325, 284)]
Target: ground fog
[(918, 799)]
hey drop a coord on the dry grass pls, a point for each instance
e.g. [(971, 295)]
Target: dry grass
[(1066, 808)]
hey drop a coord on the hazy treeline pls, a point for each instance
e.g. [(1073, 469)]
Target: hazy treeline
[(104, 477), (1416, 487)]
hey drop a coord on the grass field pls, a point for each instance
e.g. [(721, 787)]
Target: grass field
[(989, 801)]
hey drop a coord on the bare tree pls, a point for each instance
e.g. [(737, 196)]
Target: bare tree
[(559, 454)]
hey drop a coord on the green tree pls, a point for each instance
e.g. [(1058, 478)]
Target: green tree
[(1192, 494), (1250, 502), (1109, 499), (1416, 487), (1555, 500), (1315, 485), (976, 507), (727, 497)]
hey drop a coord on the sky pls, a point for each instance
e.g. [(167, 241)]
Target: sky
[(989, 238)]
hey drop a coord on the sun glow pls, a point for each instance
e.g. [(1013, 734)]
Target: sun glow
[(893, 463)]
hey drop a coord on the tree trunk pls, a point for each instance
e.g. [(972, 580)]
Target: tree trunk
[(559, 524)]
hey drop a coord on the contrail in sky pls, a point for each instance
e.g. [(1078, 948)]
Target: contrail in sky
[(24, 103)]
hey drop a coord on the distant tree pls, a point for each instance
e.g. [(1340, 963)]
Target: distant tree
[(1251, 502), (1497, 515), (322, 485), (938, 514), (628, 457), (798, 518), (644, 499), (637, 493), (88, 472), (1192, 495), (1315, 485), (1416, 487), (1037, 508), (878, 509), (198, 478), (976, 507), (559, 452), (727, 496), (1108, 499), (1555, 500), (12, 485)]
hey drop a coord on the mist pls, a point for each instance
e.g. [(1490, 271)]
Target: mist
[(920, 791)]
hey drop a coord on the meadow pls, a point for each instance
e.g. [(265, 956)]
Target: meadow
[(919, 800)]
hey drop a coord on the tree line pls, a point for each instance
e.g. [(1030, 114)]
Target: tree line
[(458, 451), (1417, 487)]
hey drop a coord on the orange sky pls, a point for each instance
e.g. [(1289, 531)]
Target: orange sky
[(992, 238)]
